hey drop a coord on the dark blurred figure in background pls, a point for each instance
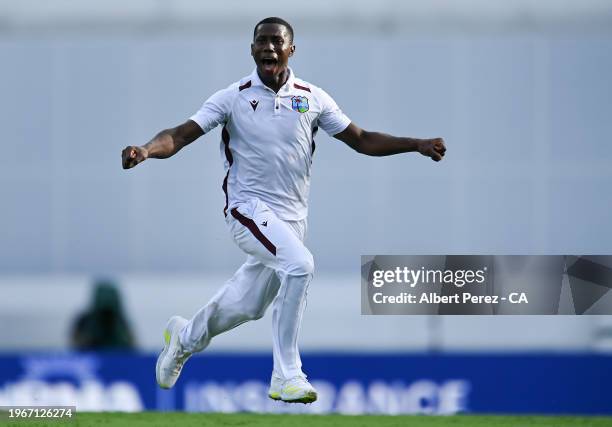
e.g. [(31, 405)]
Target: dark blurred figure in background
[(103, 326)]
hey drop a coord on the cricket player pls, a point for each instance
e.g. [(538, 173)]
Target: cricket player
[(269, 120)]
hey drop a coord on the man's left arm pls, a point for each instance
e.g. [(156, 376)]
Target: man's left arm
[(380, 144)]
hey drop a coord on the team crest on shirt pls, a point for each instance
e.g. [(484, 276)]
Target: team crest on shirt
[(299, 104)]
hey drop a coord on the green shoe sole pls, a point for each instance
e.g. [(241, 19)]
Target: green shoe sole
[(308, 398)]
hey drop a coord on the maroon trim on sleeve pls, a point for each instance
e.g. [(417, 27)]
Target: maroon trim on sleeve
[(250, 224), (297, 86), (244, 86)]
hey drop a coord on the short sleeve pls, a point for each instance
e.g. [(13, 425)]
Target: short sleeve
[(215, 109), (332, 120)]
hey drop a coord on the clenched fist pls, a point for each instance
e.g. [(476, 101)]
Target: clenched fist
[(433, 148), (132, 155)]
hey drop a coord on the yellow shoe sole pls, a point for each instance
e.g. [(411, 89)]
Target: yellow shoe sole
[(274, 396)]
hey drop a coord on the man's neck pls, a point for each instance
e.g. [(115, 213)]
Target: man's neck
[(275, 82)]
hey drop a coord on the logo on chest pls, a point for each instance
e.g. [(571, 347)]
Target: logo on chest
[(254, 104), (299, 104)]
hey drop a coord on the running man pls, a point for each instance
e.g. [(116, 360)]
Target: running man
[(269, 121)]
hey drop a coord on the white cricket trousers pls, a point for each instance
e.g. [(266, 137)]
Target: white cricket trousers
[(278, 268)]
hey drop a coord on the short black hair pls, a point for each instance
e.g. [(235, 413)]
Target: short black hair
[(275, 20)]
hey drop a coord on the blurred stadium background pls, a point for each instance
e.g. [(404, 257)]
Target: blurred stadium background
[(521, 91)]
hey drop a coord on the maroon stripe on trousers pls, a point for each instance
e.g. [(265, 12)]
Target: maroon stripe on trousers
[(230, 159), (250, 224)]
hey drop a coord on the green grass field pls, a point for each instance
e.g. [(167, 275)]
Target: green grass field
[(157, 419)]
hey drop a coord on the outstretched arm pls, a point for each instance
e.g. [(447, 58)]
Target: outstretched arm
[(380, 144), (165, 144)]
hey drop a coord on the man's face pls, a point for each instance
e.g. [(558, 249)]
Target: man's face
[(271, 48)]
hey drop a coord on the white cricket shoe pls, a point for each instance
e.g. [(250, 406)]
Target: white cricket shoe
[(276, 384), (298, 390), (173, 356)]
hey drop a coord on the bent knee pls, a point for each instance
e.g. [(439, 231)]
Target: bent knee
[(253, 312), (302, 266), (257, 315)]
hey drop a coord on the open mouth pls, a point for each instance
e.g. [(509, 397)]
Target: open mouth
[(268, 63)]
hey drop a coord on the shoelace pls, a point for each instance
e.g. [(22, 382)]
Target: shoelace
[(296, 386), (296, 381)]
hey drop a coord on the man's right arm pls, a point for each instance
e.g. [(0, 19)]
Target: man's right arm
[(165, 144)]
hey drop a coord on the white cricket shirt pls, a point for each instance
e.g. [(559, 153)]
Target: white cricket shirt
[(267, 141)]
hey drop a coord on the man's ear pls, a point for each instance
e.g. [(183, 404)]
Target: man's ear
[(252, 47), (292, 50)]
